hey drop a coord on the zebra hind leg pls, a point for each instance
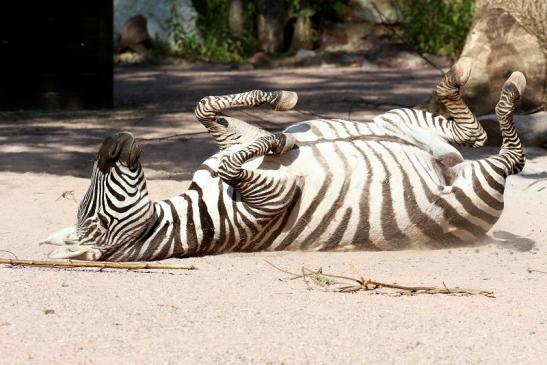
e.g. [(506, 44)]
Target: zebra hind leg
[(479, 185), (511, 156), (229, 131), (267, 192), (464, 127)]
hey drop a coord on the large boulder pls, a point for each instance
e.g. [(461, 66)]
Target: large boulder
[(134, 36), (499, 45), (506, 36)]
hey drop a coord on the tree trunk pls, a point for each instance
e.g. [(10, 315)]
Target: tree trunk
[(236, 17), (271, 17), (302, 37)]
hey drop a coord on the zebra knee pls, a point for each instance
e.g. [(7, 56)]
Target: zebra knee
[(282, 143), (204, 109), (479, 139), (229, 170)]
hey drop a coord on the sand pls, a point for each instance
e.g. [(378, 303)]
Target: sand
[(236, 308)]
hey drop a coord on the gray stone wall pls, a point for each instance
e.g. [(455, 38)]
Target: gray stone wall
[(365, 10)]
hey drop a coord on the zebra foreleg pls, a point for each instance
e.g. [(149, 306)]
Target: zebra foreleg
[(483, 181), (462, 128), (229, 131), (266, 191), (478, 188)]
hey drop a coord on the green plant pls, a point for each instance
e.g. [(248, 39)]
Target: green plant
[(436, 26), (213, 41), (320, 12), (159, 51)]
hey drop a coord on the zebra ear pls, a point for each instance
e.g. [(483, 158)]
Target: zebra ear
[(65, 236)]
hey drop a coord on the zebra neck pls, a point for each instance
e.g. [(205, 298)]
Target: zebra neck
[(180, 227)]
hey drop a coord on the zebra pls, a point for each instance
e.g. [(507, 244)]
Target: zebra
[(391, 183)]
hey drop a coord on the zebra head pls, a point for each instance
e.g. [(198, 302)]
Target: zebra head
[(115, 211)]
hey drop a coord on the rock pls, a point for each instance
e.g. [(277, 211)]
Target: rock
[(499, 44), (327, 65), (134, 36), (506, 36), (531, 129), (366, 65), (407, 60), (365, 10), (246, 67), (130, 58), (260, 58), (304, 53), (157, 13)]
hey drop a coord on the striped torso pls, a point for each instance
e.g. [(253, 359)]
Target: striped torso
[(365, 185)]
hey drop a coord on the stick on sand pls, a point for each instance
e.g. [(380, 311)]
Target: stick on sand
[(98, 264), (329, 282)]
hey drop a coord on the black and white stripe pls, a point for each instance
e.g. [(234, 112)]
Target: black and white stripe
[(391, 183)]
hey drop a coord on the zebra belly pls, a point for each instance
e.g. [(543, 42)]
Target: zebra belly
[(361, 194), (363, 189), (366, 188)]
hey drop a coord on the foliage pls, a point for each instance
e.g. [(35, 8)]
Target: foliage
[(436, 26), (159, 50), (214, 42), (320, 13)]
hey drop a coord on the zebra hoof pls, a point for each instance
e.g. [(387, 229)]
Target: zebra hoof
[(462, 70), (286, 142), (286, 100), (517, 81)]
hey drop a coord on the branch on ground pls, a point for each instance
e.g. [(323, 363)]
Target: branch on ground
[(347, 284), (97, 264)]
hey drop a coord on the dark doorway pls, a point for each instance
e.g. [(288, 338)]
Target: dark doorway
[(56, 54)]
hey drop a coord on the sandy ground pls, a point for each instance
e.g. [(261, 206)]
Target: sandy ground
[(236, 308)]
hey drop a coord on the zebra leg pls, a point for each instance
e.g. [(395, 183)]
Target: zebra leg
[(510, 159), (476, 195), (230, 131), (462, 128), (265, 191)]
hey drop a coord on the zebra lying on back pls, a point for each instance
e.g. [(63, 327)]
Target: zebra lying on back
[(392, 183)]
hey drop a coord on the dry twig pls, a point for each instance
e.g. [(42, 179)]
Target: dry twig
[(98, 264), (362, 284), (69, 195)]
